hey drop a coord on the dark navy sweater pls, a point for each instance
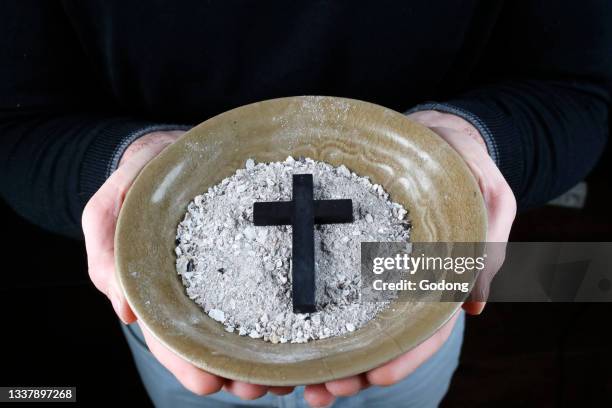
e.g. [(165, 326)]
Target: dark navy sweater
[(80, 79)]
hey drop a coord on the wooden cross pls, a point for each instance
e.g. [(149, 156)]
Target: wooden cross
[(302, 212)]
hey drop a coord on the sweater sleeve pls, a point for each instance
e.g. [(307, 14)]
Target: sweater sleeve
[(61, 133), (541, 94)]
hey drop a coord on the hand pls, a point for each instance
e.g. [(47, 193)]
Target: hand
[(100, 217), (501, 210), (498, 197), (99, 221)]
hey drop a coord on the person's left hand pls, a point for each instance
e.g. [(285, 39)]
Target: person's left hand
[(501, 210)]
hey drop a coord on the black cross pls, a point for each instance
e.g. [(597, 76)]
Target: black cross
[(302, 213)]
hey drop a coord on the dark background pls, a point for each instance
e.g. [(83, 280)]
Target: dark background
[(58, 330)]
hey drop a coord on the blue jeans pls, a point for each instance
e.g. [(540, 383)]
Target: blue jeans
[(424, 388)]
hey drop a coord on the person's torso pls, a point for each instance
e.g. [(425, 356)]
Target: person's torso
[(192, 59)]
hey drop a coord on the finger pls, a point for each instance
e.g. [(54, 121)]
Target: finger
[(501, 211), (102, 275), (281, 390), (496, 254), (245, 390), (195, 380), (119, 302), (316, 395), (474, 307), (99, 221), (501, 205), (346, 387), (397, 369)]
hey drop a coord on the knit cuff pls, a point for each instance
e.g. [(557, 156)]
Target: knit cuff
[(496, 128), (103, 155)]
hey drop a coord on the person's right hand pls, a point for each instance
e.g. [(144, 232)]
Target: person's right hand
[(99, 221)]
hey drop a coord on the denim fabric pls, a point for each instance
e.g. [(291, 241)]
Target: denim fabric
[(424, 388)]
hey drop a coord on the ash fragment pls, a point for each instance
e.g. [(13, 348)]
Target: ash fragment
[(240, 274)]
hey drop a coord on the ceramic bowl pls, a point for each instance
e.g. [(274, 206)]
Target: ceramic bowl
[(412, 163)]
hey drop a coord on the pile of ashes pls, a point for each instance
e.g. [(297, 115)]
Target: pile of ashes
[(240, 274)]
